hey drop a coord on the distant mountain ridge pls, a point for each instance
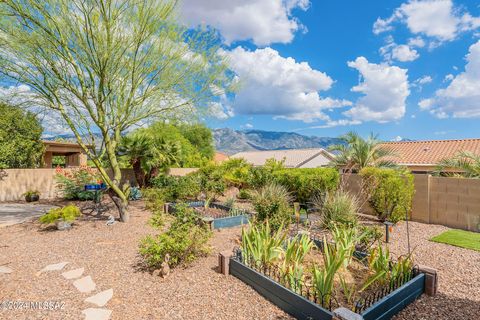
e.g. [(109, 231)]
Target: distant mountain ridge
[(231, 141)]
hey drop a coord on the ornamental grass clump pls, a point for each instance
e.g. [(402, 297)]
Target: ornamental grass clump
[(272, 204), (339, 207)]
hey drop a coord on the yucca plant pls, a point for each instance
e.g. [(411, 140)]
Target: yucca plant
[(262, 247), (323, 278)]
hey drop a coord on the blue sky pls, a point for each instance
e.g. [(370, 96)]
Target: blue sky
[(397, 68)]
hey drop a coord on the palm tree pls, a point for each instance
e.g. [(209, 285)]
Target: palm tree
[(357, 153), (148, 155), (466, 162)]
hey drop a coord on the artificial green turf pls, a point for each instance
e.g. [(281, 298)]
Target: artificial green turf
[(459, 238)]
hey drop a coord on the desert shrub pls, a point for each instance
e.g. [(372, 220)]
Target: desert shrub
[(184, 241), (174, 188), (212, 183), (68, 214), (236, 172), (244, 194), (271, 203), (391, 192), (71, 182), (337, 208), (305, 183), (154, 202), (261, 176)]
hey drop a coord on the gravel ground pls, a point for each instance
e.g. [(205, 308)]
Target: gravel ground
[(109, 256), (459, 274)]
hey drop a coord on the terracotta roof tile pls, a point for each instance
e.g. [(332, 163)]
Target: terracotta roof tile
[(429, 152)]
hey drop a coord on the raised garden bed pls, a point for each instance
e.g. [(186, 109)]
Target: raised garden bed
[(301, 301), (221, 216)]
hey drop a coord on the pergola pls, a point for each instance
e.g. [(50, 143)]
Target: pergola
[(73, 153)]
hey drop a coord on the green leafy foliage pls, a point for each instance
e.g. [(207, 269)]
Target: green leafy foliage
[(323, 277), (305, 183), (211, 180), (391, 192), (185, 240), (244, 194), (20, 132), (68, 214), (261, 245), (291, 268), (356, 153), (174, 188), (372, 234), (71, 182), (271, 204)]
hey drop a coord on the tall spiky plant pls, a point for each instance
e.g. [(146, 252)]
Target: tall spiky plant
[(464, 163), (357, 153)]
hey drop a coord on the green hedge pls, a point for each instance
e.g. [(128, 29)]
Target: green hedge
[(391, 192), (304, 183)]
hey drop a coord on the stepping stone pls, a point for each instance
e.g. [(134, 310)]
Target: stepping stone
[(4, 269), (73, 274), (101, 299), (97, 314), (84, 284), (54, 267)]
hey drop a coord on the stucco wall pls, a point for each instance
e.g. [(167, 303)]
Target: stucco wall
[(453, 202), (18, 181)]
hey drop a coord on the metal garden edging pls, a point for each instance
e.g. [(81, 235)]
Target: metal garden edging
[(284, 298), (397, 300)]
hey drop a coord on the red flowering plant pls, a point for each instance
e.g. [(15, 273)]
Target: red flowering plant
[(71, 182)]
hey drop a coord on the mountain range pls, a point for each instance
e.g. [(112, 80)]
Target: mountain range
[(231, 141)]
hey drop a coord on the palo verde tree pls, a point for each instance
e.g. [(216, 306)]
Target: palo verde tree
[(105, 66)]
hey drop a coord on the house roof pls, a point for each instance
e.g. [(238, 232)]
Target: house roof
[(294, 158), (429, 152), (220, 157)]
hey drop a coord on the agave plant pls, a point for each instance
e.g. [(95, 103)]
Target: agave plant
[(261, 247)]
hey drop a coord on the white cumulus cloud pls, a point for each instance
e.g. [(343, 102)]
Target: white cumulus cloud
[(385, 90), (461, 98), (403, 53), (274, 85), (438, 19), (262, 21)]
